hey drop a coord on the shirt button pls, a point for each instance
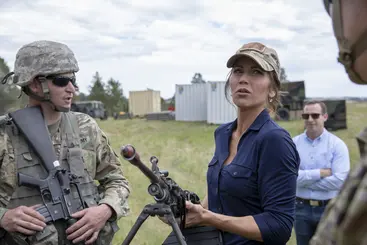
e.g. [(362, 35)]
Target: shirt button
[(216, 190), (220, 209), (235, 173)]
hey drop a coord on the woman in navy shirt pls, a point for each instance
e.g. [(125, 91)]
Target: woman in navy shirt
[(252, 176)]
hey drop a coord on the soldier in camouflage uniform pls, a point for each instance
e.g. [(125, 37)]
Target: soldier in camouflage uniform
[(46, 72), (345, 218)]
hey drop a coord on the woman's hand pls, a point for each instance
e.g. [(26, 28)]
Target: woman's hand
[(194, 214)]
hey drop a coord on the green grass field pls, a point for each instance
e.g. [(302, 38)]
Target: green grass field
[(184, 149)]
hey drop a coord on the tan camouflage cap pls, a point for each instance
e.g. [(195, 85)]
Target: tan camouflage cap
[(266, 57), (43, 58)]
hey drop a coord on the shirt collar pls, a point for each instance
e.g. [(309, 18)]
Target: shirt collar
[(321, 137), (260, 120)]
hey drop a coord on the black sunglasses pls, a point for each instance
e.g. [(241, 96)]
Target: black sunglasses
[(62, 81), (306, 116)]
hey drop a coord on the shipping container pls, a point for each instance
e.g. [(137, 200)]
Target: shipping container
[(219, 109), (144, 102), (191, 102)]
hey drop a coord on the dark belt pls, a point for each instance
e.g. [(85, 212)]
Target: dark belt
[(315, 203)]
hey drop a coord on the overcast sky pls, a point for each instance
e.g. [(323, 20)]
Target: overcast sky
[(157, 44)]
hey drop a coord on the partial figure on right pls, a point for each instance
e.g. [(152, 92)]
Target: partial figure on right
[(345, 218)]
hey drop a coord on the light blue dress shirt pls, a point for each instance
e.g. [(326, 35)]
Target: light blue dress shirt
[(326, 151)]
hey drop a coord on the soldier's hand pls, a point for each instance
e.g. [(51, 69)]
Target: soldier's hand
[(91, 221), (25, 220)]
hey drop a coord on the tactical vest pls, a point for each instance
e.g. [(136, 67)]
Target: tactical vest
[(71, 158)]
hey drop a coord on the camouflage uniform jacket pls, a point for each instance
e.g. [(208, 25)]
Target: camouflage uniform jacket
[(344, 221), (101, 162)]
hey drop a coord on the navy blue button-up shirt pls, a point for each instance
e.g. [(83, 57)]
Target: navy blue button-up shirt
[(260, 181)]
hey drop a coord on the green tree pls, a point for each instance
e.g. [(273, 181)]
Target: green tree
[(81, 97), (197, 78), (97, 91), (283, 75), (116, 101)]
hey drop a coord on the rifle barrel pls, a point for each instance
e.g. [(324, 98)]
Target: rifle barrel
[(129, 153)]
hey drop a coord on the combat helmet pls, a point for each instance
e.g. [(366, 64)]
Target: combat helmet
[(40, 59), (348, 51)]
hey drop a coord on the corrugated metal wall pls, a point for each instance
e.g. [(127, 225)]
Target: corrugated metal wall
[(219, 110), (144, 102), (191, 102)]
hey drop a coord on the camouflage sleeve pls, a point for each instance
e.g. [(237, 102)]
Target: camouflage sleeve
[(3, 152), (113, 185), (345, 218)]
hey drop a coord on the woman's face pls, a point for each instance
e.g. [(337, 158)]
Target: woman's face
[(250, 85)]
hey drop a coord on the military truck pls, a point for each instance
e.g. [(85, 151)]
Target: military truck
[(337, 112), (93, 108), (292, 99)]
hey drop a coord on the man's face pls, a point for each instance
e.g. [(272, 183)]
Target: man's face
[(314, 118), (61, 89)]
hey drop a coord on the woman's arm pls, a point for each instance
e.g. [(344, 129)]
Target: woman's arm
[(243, 226), (278, 165)]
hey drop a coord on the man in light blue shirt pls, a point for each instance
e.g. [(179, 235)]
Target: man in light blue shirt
[(324, 167)]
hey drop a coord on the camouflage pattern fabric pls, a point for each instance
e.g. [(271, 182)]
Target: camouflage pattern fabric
[(43, 58), (266, 57), (101, 162), (344, 221)]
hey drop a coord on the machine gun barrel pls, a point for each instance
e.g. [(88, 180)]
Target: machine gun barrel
[(129, 153)]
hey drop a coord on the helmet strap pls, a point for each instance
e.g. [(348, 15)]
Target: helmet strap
[(46, 96)]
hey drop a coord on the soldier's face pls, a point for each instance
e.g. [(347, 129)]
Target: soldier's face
[(354, 22), (62, 89), (314, 118)]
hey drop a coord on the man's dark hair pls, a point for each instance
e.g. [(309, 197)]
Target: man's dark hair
[(322, 105)]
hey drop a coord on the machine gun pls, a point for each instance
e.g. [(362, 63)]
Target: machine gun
[(170, 198), (55, 189)]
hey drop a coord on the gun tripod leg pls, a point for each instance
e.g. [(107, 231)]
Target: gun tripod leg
[(176, 229), (139, 221)]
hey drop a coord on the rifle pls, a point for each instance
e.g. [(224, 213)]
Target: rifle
[(170, 198), (55, 189)]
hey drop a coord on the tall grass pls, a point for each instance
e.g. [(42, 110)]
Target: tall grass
[(184, 149)]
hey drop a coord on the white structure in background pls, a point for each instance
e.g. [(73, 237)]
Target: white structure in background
[(219, 110), (191, 102)]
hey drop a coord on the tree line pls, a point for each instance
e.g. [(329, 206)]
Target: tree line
[(110, 92)]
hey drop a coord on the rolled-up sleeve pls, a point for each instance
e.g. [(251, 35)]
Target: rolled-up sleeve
[(277, 174)]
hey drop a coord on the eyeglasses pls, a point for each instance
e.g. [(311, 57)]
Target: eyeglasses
[(306, 116), (62, 81)]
